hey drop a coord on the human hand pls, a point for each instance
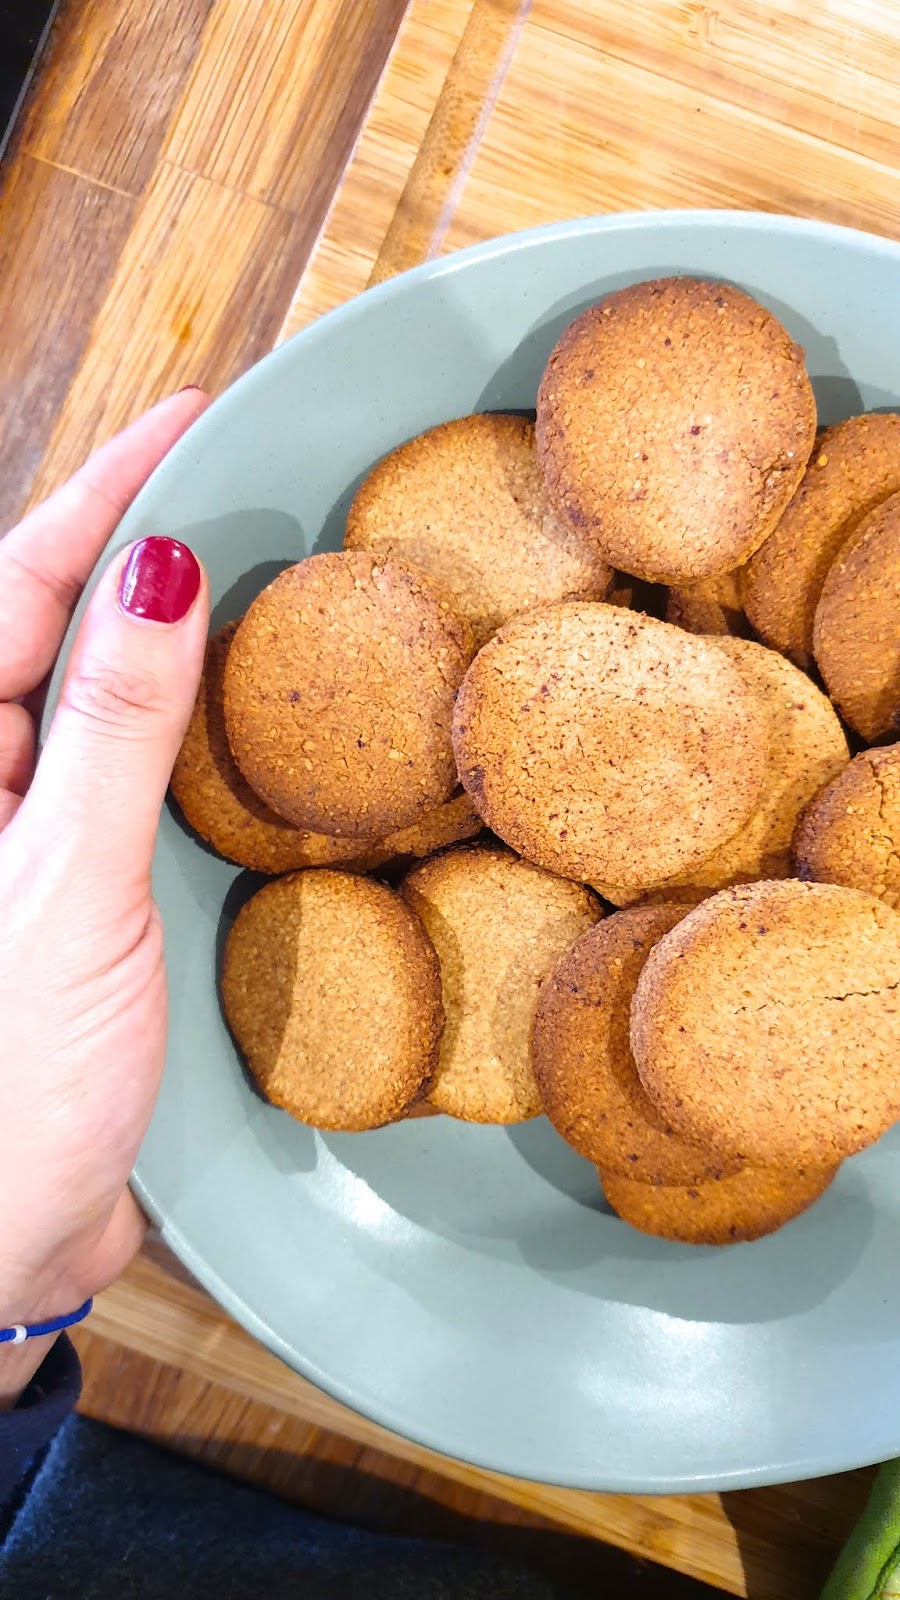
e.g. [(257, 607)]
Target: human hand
[(82, 980)]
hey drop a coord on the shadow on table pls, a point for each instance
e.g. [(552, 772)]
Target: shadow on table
[(437, 1508), (788, 1538)]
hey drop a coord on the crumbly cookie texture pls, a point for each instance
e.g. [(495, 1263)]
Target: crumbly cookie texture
[(674, 422), (219, 804), (854, 467), (856, 636), (339, 690), (767, 1023), (332, 989), (738, 1207), (607, 746), (498, 925), (850, 832), (807, 748), (466, 503), (586, 1076)]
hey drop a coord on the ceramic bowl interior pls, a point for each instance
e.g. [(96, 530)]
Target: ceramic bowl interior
[(467, 1286)]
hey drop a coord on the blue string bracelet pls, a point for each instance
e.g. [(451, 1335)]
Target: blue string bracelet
[(21, 1331)]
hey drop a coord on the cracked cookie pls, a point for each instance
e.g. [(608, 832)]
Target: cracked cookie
[(767, 1023), (466, 503), (674, 422), (738, 1207), (498, 924), (850, 832), (807, 748), (586, 1076), (854, 467), (608, 746), (339, 690), (856, 637), (332, 990)]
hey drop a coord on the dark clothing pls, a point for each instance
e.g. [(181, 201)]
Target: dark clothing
[(104, 1516), (28, 1429)]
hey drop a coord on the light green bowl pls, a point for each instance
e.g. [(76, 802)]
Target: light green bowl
[(462, 1285)]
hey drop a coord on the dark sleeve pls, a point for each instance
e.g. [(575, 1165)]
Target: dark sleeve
[(33, 1421)]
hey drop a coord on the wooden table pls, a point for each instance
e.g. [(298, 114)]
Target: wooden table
[(197, 180)]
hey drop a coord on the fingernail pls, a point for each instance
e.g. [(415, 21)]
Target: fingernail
[(160, 581), (189, 388)]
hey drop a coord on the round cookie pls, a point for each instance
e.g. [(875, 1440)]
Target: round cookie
[(741, 1206), (466, 503), (498, 924), (856, 637), (850, 832), (608, 746), (218, 802), (586, 1076), (710, 606), (854, 467), (674, 422), (807, 748), (767, 1023), (332, 990), (339, 689)]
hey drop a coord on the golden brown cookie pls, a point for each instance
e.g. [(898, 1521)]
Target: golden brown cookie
[(339, 689), (767, 1023), (607, 746), (854, 467), (807, 748), (586, 1076), (498, 925), (674, 422), (466, 503), (850, 832), (710, 606), (740, 1206), (332, 989), (219, 803), (452, 823), (856, 634)]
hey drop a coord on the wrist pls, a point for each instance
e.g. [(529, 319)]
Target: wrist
[(18, 1365), (19, 1362)]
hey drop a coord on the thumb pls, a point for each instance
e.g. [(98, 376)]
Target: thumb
[(93, 805)]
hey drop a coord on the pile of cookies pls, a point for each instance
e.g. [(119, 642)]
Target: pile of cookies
[(628, 640)]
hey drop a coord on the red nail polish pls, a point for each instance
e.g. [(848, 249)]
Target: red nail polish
[(160, 581)]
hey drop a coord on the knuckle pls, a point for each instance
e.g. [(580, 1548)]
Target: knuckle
[(114, 698)]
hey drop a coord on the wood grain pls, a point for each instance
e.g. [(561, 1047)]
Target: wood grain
[(629, 104), (461, 114), (195, 296), (225, 128), (273, 110), (386, 153), (112, 77), (780, 1540), (56, 226)]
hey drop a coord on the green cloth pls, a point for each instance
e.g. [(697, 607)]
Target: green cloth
[(868, 1567)]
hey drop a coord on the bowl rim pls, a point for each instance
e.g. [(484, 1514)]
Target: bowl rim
[(885, 1440)]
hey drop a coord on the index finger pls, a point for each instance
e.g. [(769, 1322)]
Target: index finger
[(46, 560)]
